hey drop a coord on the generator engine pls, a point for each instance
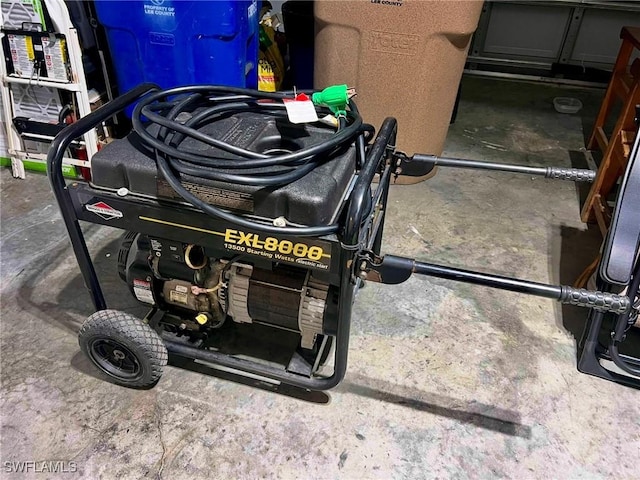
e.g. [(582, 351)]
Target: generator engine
[(201, 291)]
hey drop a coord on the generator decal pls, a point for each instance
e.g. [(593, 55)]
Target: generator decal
[(179, 295), (156, 246), (307, 252), (104, 211), (219, 197), (315, 254), (142, 290)]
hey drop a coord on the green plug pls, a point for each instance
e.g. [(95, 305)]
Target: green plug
[(336, 97)]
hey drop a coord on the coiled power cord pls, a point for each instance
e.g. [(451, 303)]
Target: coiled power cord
[(207, 104)]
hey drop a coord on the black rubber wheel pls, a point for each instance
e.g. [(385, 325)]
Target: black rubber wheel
[(122, 346)]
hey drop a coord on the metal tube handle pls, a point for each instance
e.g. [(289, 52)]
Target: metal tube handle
[(391, 269), (83, 125), (571, 174), (421, 164), (602, 301)]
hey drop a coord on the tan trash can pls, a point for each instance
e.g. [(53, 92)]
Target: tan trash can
[(404, 57)]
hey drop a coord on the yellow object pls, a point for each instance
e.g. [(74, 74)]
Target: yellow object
[(30, 53), (270, 63), (202, 318), (267, 81)]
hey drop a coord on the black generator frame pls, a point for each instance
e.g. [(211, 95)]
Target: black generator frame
[(357, 247)]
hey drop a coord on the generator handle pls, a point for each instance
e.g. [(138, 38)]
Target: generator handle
[(391, 269), (421, 164), (59, 186), (357, 206)]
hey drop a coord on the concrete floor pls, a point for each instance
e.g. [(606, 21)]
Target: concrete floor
[(445, 380)]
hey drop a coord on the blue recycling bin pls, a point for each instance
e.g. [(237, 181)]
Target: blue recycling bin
[(179, 42)]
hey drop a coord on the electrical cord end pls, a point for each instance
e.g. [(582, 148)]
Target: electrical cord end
[(336, 97), (330, 120)]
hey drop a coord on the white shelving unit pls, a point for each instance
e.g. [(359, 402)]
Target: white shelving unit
[(77, 86)]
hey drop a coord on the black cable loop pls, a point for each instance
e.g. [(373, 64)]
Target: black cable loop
[(155, 120), (343, 137)]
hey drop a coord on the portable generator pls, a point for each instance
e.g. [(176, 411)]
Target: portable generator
[(235, 216)]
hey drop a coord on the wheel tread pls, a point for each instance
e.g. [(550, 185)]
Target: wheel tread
[(121, 325)]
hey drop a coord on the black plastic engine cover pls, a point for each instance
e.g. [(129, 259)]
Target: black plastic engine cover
[(311, 200)]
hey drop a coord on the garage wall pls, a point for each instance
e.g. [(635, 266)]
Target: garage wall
[(541, 34)]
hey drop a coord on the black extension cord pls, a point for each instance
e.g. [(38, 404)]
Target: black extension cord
[(214, 102)]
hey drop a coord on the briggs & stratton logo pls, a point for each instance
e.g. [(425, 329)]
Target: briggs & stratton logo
[(103, 210)]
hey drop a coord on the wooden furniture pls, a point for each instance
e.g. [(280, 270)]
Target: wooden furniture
[(624, 87)]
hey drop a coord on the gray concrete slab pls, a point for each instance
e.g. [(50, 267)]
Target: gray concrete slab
[(445, 380)]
